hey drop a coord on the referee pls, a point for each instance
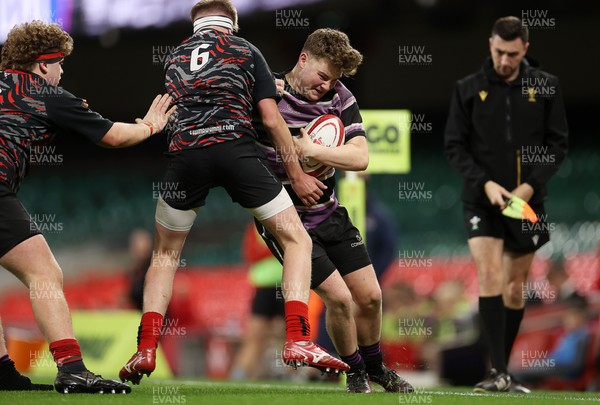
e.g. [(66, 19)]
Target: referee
[(506, 134)]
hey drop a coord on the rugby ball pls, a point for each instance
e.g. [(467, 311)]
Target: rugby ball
[(326, 130)]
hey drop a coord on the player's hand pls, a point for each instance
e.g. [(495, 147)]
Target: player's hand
[(524, 191), (84, 103), (304, 145), (496, 194), (308, 188), (279, 84), (158, 115)]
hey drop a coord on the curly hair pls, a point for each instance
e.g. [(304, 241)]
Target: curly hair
[(335, 46), (25, 42)]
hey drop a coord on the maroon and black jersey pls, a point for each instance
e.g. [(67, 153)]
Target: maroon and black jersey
[(215, 80), (297, 112), (32, 112)]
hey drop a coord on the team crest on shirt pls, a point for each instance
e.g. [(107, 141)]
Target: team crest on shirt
[(474, 222), (531, 92), (535, 239), (483, 95)]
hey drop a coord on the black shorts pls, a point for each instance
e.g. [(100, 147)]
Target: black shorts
[(236, 165), (337, 245), (268, 302), (15, 223), (519, 236)]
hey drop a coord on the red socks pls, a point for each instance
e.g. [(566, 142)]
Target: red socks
[(149, 330), (65, 351), (296, 321)]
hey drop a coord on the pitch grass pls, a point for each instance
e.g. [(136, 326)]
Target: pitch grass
[(186, 391)]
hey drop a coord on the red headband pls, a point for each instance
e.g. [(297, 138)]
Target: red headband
[(49, 56)]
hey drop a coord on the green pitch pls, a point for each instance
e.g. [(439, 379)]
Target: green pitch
[(186, 391)]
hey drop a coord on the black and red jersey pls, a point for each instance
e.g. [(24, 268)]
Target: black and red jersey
[(215, 80), (32, 112)]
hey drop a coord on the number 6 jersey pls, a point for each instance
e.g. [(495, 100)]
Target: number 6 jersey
[(215, 80)]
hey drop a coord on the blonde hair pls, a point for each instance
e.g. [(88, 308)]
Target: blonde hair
[(25, 42), (335, 46), (210, 7)]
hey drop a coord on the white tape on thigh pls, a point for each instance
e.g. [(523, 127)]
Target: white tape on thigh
[(273, 207), (174, 219)]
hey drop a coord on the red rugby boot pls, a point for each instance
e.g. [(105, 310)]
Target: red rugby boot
[(306, 353), (142, 362)]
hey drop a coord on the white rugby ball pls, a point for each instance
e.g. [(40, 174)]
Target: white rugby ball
[(326, 130)]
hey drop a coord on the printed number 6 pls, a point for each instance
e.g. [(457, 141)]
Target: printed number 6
[(194, 65)]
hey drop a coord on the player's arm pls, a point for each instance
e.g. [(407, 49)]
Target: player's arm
[(308, 188), (353, 155), (72, 115), (122, 135)]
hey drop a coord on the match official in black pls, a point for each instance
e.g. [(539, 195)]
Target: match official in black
[(506, 134)]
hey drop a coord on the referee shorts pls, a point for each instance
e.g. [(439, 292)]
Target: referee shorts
[(520, 236)]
